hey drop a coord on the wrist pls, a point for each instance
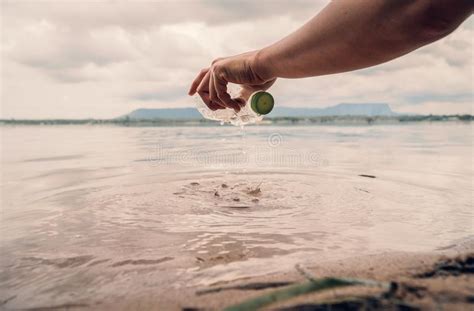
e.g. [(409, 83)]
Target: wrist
[(261, 66)]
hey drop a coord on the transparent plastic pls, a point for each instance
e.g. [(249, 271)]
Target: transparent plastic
[(245, 116)]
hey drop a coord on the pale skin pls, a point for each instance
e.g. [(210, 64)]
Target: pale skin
[(346, 35)]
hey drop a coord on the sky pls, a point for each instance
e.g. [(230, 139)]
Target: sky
[(103, 59)]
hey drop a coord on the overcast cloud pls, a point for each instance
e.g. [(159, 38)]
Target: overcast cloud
[(75, 59)]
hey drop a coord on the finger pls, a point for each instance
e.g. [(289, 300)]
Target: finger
[(212, 90), (203, 91), (220, 85), (240, 101), (197, 81), (213, 94), (213, 106), (245, 92)]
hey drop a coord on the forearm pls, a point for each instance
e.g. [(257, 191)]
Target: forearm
[(349, 35)]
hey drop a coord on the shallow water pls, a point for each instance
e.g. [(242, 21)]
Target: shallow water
[(95, 214)]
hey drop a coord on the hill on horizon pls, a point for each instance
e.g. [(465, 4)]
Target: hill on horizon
[(343, 109)]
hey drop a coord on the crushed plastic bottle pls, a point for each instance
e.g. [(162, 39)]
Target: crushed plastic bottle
[(248, 114)]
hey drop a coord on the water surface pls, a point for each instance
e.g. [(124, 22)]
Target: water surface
[(92, 214)]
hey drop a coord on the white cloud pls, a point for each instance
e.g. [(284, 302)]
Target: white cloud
[(102, 59)]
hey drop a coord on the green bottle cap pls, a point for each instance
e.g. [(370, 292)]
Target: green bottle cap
[(262, 102)]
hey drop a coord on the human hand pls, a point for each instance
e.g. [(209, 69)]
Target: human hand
[(211, 83)]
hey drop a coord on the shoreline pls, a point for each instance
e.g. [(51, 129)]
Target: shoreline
[(423, 281), (268, 121)]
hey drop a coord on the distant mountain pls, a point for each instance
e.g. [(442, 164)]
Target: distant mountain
[(359, 110), (345, 109)]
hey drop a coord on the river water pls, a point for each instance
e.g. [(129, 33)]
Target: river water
[(91, 214)]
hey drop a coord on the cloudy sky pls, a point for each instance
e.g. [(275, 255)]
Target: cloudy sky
[(104, 58)]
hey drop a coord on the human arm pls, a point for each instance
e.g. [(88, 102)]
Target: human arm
[(346, 35)]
